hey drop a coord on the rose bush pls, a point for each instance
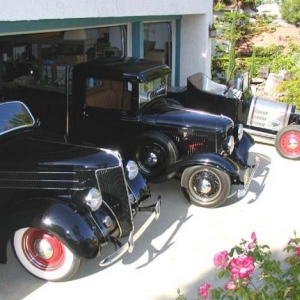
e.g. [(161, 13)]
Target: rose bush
[(252, 273)]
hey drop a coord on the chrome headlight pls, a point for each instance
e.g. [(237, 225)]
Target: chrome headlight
[(228, 145), (132, 169), (238, 132), (93, 199)]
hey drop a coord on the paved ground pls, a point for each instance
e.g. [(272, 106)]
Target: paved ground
[(177, 250)]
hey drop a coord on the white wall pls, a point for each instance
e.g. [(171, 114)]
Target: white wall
[(16, 10), (195, 46)]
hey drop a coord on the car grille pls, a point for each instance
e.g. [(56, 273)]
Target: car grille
[(192, 143), (112, 184)]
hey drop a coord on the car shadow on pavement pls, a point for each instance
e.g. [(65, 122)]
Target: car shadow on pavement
[(257, 184), (174, 215)]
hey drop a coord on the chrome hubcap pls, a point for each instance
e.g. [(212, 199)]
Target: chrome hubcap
[(292, 144), (152, 159), (44, 249), (205, 186)]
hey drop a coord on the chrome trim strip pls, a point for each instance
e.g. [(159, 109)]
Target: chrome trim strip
[(262, 134)]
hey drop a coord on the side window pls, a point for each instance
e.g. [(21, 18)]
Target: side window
[(108, 94)]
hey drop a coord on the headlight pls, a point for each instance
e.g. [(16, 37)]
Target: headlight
[(132, 169), (238, 132), (228, 144), (93, 199)]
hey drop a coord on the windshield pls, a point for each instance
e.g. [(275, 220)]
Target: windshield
[(152, 89), (14, 115)]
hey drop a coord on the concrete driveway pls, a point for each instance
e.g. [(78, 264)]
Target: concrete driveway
[(177, 250)]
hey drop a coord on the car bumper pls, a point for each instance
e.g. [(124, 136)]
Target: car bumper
[(247, 176), (133, 236)]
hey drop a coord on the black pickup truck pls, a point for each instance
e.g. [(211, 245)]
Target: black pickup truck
[(122, 104)]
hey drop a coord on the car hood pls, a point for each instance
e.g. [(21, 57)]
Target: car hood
[(27, 150), (194, 119)]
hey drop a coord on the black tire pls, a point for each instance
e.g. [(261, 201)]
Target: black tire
[(153, 152), (287, 142), (215, 184), (173, 102), (43, 255)]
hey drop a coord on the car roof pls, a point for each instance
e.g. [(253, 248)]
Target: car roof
[(120, 68)]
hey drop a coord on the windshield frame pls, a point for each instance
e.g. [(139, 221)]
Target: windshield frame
[(153, 89)]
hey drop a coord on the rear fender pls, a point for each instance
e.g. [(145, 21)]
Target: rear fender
[(217, 161), (55, 217)]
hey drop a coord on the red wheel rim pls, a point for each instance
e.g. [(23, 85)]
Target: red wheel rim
[(43, 250), (290, 143)]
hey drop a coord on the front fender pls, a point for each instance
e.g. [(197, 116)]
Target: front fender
[(241, 149), (214, 160), (72, 229), (139, 188), (53, 216)]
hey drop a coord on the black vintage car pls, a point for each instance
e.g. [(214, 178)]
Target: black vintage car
[(62, 203), (268, 121), (122, 104)]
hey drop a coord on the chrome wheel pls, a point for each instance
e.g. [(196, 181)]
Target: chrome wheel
[(205, 186)]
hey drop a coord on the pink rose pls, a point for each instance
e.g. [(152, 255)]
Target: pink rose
[(298, 250), (253, 237), (250, 246), (230, 286), (220, 259), (241, 267), (204, 290)]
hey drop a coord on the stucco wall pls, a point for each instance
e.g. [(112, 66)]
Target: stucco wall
[(60, 9), (195, 46)]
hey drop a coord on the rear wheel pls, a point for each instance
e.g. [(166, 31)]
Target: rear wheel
[(205, 186), (153, 152), (43, 255), (287, 142)]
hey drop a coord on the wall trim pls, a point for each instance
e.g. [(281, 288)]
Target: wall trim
[(23, 27)]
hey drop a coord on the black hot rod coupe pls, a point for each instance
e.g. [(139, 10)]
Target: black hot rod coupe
[(62, 203), (266, 120), (122, 104)]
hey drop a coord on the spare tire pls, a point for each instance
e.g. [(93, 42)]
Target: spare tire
[(153, 151)]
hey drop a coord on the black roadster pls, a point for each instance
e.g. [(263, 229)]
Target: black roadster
[(268, 121)]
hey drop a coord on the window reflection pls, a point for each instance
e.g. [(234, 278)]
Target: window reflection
[(14, 115)]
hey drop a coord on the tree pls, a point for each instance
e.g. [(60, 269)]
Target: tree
[(290, 11)]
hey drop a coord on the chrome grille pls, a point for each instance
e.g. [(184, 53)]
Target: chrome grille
[(112, 184), (260, 118)]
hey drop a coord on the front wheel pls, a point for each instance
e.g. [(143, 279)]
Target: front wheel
[(287, 142), (205, 186), (43, 255)]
